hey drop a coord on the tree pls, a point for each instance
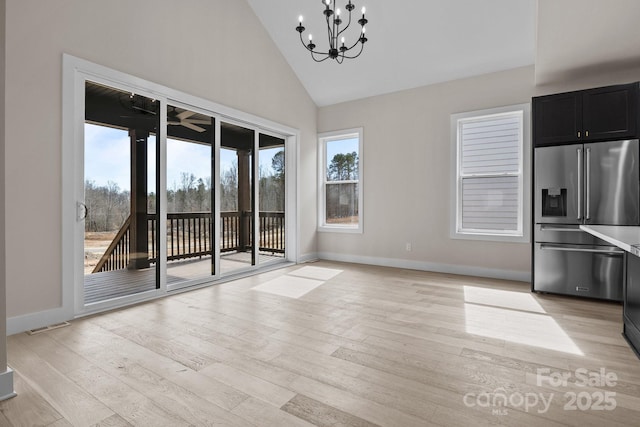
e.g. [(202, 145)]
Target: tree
[(277, 164), (343, 167)]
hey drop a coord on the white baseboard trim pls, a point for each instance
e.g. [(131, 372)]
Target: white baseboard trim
[(26, 322), (6, 385), (465, 270)]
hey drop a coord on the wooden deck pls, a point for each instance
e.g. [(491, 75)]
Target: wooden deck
[(113, 284)]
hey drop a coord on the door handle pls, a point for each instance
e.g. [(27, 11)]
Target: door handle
[(588, 183), (82, 211), (579, 151), (556, 228), (594, 251)]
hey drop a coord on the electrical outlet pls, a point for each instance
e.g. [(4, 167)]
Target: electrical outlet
[(408, 247)]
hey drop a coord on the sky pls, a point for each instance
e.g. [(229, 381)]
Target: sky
[(107, 158), (341, 146)]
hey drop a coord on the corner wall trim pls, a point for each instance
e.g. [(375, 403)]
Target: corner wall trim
[(308, 258), (6, 385), (464, 270)]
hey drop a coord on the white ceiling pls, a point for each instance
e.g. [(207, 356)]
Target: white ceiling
[(411, 43)]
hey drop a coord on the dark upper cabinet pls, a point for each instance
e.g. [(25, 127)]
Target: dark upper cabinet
[(590, 115), (556, 118)]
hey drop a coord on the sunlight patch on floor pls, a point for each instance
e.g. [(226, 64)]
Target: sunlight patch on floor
[(515, 317), (500, 298), (319, 273), (298, 282)]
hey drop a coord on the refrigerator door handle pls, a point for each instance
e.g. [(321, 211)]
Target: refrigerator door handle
[(588, 183), (544, 227), (574, 249), (579, 155)]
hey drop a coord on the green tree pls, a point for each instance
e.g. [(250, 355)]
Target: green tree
[(343, 167)]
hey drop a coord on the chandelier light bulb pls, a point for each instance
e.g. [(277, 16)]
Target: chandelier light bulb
[(300, 19), (310, 37), (364, 30), (338, 12), (364, 9), (343, 40), (327, 2)]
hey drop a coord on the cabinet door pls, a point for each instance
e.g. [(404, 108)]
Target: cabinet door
[(610, 112), (556, 118)]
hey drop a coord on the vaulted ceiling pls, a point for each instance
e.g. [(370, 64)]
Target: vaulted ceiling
[(419, 42)]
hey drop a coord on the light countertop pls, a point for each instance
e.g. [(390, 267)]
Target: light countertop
[(626, 237)]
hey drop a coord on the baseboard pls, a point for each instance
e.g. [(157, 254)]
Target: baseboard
[(465, 270), (6, 385), (26, 322)]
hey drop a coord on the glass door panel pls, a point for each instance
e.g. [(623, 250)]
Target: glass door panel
[(120, 186), (271, 196), (190, 147), (236, 198)]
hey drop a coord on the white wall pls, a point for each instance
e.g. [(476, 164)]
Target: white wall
[(407, 172), (215, 49)]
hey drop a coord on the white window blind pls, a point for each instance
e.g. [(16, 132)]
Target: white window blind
[(489, 179)]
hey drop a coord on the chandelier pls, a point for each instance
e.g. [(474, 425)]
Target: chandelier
[(335, 28)]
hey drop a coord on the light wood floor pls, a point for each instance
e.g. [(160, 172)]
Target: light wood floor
[(369, 346)]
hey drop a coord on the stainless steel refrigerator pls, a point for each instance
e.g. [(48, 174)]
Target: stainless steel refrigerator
[(596, 183)]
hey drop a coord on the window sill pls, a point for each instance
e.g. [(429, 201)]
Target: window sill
[(505, 238), (339, 229)]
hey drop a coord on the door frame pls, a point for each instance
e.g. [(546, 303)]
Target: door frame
[(75, 72)]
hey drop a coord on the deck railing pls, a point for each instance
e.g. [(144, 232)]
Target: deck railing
[(189, 236)]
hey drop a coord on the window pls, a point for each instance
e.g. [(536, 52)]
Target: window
[(491, 196), (340, 198)]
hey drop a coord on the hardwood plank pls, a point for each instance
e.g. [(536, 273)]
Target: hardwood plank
[(249, 384), (131, 405), (28, 408), (72, 402), (260, 413), (319, 414), (59, 357), (179, 353), (113, 421), (356, 406)]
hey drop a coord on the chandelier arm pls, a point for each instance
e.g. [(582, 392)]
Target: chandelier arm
[(302, 41), (319, 60), (347, 26), (355, 44), (352, 57), (329, 31)]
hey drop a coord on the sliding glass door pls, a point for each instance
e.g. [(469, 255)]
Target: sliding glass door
[(190, 196), (271, 196), (237, 144), (120, 188), (169, 194)]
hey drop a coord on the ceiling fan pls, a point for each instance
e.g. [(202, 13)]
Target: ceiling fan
[(184, 119)]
